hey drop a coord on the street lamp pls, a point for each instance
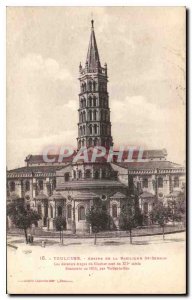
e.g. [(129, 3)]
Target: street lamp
[(62, 234)]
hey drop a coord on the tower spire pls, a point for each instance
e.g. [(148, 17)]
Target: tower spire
[(94, 126), (93, 60)]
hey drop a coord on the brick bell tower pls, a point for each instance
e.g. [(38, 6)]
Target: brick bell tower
[(94, 127)]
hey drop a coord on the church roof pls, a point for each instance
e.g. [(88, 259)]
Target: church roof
[(56, 196), (146, 195), (90, 184), (118, 195), (85, 196), (38, 159), (93, 60), (41, 196), (30, 171), (145, 165)]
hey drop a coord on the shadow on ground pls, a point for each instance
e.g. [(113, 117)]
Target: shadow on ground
[(140, 243), (112, 243)]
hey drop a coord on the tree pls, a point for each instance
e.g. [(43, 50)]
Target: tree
[(179, 204), (60, 224), (161, 214), (22, 217), (98, 220), (129, 216)]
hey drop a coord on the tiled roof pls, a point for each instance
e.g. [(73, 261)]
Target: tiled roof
[(147, 154), (90, 184), (56, 196), (149, 165), (147, 195), (35, 169), (85, 196), (118, 195), (38, 159)]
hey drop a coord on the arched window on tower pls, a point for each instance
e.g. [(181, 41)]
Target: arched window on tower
[(90, 142), (84, 117), (95, 142), (74, 174), (94, 101), (90, 101), (94, 115), (95, 129), (90, 86), (79, 144), (90, 115), (94, 86), (83, 143), (90, 129), (84, 87), (101, 115)]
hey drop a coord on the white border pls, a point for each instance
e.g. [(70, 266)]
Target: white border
[(3, 4)]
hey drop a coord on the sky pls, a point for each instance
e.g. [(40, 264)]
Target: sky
[(144, 49)]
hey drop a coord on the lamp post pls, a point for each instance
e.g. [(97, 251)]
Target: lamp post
[(62, 234), (73, 221), (73, 224)]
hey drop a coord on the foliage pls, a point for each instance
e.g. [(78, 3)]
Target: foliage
[(22, 217), (178, 208), (130, 216), (60, 223), (160, 214), (97, 218)]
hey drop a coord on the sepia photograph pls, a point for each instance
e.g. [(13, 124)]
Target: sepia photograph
[(96, 150)]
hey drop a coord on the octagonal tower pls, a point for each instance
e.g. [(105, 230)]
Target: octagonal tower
[(94, 127)]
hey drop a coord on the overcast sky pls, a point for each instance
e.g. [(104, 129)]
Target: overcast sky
[(145, 52)]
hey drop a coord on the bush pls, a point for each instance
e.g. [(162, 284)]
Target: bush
[(59, 223)]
